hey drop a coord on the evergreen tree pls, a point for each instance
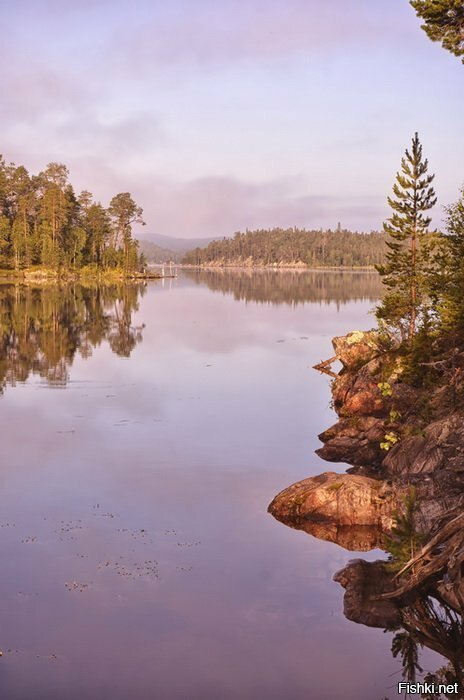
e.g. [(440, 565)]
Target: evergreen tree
[(404, 540), (443, 21), (124, 212), (408, 253), (450, 280)]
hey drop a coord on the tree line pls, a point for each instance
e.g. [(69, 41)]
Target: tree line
[(292, 247), (43, 222)]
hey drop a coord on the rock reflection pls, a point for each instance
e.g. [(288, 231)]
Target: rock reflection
[(42, 328), (291, 287), (354, 538), (430, 618)]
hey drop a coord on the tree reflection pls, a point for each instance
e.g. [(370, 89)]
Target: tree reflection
[(431, 621), (291, 287), (42, 328), (428, 617)]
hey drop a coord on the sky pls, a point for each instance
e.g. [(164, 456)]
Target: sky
[(222, 115)]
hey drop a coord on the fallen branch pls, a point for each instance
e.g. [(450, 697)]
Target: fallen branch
[(326, 366)]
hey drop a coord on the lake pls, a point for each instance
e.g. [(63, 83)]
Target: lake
[(144, 431)]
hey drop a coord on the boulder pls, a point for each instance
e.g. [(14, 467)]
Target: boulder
[(344, 499)]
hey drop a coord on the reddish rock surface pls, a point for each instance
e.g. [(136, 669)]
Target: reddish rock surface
[(373, 403), (357, 348), (344, 499)]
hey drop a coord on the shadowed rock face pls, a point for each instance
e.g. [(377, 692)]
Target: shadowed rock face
[(354, 440), (439, 447)]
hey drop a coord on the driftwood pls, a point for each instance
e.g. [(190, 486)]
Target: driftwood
[(326, 366), (442, 556)]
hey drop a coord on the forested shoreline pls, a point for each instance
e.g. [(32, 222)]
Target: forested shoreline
[(44, 224), (292, 247)]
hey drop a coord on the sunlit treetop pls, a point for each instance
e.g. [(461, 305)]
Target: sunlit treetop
[(444, 22)]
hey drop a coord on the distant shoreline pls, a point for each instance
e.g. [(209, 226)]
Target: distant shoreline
[(278, 268)]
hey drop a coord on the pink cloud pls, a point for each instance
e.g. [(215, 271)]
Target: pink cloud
[(219, 206)]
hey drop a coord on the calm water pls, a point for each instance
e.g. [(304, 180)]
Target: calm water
[(142, 437)]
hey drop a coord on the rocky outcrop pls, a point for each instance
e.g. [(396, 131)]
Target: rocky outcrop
[(343, 499), (383, 435), (400, 441), (355, 441), (357, 348)]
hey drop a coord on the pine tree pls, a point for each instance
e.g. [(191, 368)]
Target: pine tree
[(443, 21), (404, 540), (124, 212), (452, 273), (408, 254)]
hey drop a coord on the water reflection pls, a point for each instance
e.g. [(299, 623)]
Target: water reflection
[(354, 538), (430, 618), (138, 561), (42, 328), (291, 287)]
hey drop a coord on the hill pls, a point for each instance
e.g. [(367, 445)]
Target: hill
[(157, 254), (177, 245), (292, 247)]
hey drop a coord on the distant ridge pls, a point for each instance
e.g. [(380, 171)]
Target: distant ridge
[(178, 245)]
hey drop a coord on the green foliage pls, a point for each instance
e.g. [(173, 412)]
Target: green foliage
[(404, 539), (409, 254), (339, 248), (385, 389), (417, 370), (406, 647), (42, 222), (389, 440), (450, 278), (444, 22)]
